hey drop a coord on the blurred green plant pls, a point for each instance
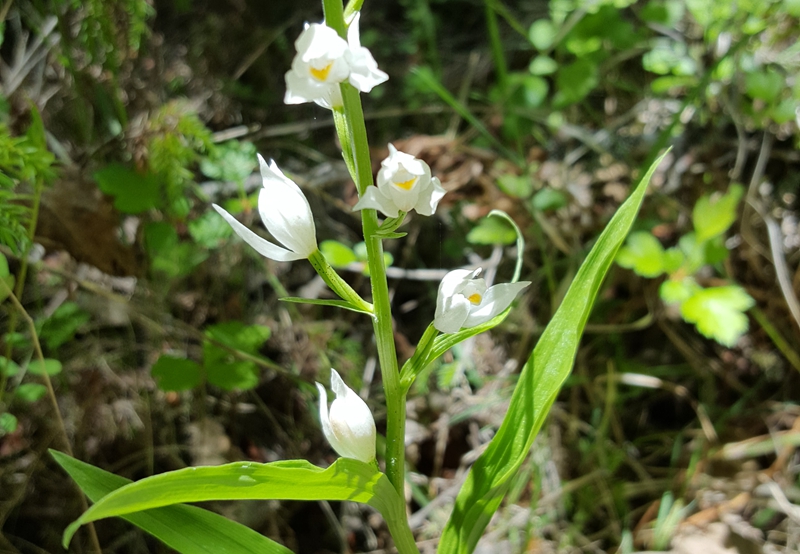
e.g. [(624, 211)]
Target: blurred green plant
[(717, 312), (225, 360)]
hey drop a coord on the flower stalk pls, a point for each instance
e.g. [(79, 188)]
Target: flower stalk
[(354, 134)]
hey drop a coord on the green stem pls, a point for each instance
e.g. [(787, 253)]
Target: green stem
[(356, 135), (497, 46)]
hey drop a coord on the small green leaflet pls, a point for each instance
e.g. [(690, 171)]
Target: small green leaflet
[(713, 215), (718, 312), (643, 254)]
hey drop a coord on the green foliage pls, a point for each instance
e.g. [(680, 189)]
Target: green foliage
[(25, 166), (643, 254), (345, 479), (62, 325), (30, 392), (8, 423), (338, 255), (223, 366), (169, 256), (133, 192), (542, 377), (230, 161), (108, 31), (518, 186), (714, 215), (9, 368), (186, 529), (6, 278), (48, 365), (549, 199), (492, 230), (176, 374), (718, 312), (177, 138), (209, 230)]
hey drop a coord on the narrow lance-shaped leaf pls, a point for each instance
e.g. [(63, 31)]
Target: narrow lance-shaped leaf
[(345, 479), (187, 529), (541, 379)]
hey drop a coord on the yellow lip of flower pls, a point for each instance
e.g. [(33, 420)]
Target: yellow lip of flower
[(407, 185), (475, 298), (321, 74)]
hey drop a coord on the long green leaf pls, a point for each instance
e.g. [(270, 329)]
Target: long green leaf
[(187, 529), (541, 379), (345, 479)]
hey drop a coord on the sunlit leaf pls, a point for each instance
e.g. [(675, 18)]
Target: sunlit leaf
[(539, 383), (713, 215), (345, 479), (186, 529), (643, 254), (492, 230), (718, 312), (337, 254)]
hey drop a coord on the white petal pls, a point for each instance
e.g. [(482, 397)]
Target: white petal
[(330, 98), (451, 314), (285, 211), (300, 89), (455, 280), (262, 246), (351, 422), (452, 308), (353, 35), (495, 301), (320, 41), (429, 200), (364, 72), (374, 199)]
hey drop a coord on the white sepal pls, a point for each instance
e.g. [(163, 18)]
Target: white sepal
[(349, 426), (465, 301), (286, 214), (364, 72)]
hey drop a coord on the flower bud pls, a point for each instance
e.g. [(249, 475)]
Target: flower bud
[(286, 214), (349, 427)]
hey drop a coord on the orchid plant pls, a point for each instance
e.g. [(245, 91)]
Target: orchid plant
[(331, 68)]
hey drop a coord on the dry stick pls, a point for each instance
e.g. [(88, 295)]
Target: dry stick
[(773, 231), (51, 392)]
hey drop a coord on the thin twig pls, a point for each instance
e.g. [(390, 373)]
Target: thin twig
[(51, 392)]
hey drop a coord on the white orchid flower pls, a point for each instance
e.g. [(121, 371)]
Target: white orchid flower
[(286, 214), (318, 67), (464, 300), (324, 60), (349, 427), (404, 184)]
